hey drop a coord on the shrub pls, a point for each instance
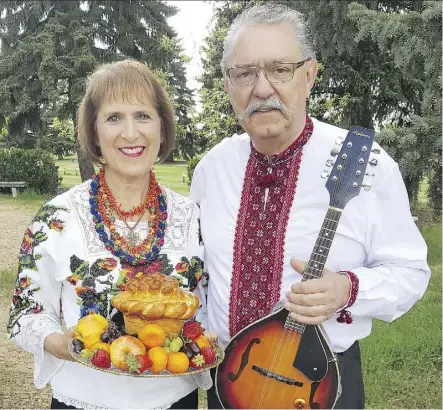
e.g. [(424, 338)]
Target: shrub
[(34, 166), (191, 166)]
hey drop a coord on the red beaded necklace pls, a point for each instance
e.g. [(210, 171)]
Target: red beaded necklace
[(107, 203), (137, 210)]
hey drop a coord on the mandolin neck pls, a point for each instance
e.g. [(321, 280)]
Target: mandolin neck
[(314, 267)]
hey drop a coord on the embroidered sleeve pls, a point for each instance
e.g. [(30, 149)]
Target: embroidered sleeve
[(35, 307)]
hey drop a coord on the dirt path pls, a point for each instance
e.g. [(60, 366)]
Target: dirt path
[(16, 367)]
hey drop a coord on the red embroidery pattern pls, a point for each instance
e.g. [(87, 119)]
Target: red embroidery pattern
[(260, 232)]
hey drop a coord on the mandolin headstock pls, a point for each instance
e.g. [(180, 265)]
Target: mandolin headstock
[(345, 178)]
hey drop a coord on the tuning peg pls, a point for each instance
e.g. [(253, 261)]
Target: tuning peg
[(375, 151), (335, 151), (367, 186), (329, 163), (369, 174), (373, 162), (339, 140), (324, 174)]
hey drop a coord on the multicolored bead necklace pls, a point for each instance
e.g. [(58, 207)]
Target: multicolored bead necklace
[(103, 203)]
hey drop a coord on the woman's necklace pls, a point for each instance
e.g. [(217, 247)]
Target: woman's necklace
[(102, 204), (113, 203), (132, 238)]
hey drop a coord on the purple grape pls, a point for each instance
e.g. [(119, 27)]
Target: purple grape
[(78, 345), (187, 351), (194, 348)]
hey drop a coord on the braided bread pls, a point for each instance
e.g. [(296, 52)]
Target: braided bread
[(155, 296)]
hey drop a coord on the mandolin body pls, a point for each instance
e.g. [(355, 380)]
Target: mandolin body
[(269, 366)]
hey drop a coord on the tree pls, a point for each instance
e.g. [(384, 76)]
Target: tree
[(182, 98), (217, 119), (410, 39), (50, 47), (58, 138), (374, 71)]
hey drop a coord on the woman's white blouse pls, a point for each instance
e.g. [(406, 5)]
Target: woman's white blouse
[(65, 271)]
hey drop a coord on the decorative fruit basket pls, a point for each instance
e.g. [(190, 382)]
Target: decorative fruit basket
[(164, 340)]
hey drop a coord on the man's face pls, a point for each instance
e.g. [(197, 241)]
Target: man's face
[(263, 45)]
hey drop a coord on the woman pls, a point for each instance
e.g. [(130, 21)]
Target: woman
[(84, 244)]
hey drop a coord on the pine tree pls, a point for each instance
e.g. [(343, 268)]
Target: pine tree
[(48, 48), (377, 68), (217, 119), (410, 39)]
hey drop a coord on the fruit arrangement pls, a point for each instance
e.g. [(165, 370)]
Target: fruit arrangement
[(152, 352)]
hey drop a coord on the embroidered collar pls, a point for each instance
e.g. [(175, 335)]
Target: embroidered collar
[(290, 151)]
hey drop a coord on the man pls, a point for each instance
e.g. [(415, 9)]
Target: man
[(263, 202)]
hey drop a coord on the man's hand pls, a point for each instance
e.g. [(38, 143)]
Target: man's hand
[(316, 300)]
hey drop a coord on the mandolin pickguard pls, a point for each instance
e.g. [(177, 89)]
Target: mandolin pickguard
[(311, 357)]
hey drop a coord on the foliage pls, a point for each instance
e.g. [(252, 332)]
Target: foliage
[(59, 138), (377, 68), (191, 166), (34, 166), (410, 40), (217, 119), (49, 48)]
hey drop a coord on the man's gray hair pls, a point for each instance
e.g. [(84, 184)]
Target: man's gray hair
[(268, 13)]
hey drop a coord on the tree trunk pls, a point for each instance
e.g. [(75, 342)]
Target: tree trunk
[(59, 156), (170, 158), (86, 167)]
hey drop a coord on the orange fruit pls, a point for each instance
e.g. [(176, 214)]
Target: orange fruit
[(159, 359), (91, 340), (202, 341), (177, 362), (152, 335), (101, 345)]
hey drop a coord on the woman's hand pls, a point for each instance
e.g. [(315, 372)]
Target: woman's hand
[(57, 344)]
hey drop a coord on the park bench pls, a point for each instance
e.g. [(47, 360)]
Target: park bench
[(14, 186)]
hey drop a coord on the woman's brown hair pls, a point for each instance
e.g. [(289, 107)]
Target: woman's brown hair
[(126, 80)]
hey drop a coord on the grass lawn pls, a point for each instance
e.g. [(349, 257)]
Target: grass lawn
[(402, 361)]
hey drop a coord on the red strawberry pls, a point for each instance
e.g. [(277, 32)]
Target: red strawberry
[(197, 362), (208, 353), (101, 359), (192, 330), (145, 362), (138, 364)]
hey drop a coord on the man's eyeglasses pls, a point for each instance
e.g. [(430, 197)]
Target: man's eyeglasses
[(275, 73)]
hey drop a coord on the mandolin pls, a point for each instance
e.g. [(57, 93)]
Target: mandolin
[(277, 362)]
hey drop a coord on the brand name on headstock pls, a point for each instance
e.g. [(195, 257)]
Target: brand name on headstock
[(361, 134)]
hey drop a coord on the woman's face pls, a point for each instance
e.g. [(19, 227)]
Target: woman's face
[(129, 137)]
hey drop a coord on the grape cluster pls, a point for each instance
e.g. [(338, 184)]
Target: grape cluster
[(78, 345), (111, 333), (190, 349)]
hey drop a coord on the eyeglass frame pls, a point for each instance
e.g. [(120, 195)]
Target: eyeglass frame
[(257, 73)]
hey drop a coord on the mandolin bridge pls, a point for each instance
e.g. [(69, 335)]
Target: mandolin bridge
[(276, 376)]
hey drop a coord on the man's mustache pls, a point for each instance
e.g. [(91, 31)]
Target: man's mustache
[(271, 103)]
